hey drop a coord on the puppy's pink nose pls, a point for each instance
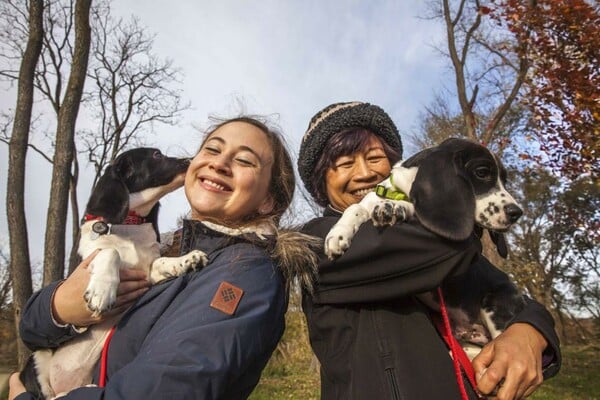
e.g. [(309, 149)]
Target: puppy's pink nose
[(513, 212)]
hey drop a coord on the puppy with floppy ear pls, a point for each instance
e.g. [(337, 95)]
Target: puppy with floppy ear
[(459, 186), (451, 188), (133, 184), (121, 221), (442, 196), (454, 188)]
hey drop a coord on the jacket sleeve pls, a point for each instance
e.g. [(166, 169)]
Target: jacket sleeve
[(536, 315), (383, 264), (37, 328), (194, 351)]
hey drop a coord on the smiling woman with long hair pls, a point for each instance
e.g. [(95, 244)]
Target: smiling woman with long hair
[(209, 333)]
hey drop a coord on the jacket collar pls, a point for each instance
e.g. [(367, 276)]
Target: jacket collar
[(331, 212), (259, 230), (214, 236)]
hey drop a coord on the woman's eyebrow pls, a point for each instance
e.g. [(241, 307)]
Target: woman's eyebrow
[(246, 148), (240, 148), (218, 139), (376, 147)]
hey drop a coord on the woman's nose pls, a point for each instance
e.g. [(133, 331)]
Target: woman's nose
[(221, 164), (363, 171)]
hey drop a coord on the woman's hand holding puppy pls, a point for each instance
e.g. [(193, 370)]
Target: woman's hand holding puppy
[(69, 306), (514, 359)]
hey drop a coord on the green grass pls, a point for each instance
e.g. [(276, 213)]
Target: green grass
[(289, 374), (578, 379), (294, 385)]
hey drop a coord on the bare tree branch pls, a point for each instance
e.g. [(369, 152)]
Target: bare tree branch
[(15, 207)]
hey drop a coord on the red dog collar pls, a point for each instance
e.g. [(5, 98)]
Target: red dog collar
[(101, 227), (132, 218)]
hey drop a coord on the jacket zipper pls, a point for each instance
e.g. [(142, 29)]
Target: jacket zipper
[(388, 363), (395, 390)]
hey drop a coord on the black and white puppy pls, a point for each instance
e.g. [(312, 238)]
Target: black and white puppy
[(121, 220), (452, 189)]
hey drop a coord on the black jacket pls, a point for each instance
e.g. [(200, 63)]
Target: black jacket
[(373, 338)]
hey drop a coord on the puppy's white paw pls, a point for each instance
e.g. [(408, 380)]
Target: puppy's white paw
[(340, 236), (194, 259), (101, 293), (387, 213), (168, 267), (338, 240)]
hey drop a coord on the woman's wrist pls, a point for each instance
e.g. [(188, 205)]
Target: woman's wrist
[(535, 336), (64, 310)]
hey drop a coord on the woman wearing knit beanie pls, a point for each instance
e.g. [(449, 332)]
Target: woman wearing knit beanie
[(371, 336)]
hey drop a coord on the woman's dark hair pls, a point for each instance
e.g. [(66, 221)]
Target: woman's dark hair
[(341, 144), (283, 181)]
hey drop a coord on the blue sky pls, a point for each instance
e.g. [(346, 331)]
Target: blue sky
[(287, 59)]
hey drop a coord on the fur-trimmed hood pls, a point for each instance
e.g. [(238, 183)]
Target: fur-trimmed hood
[(293, 252)]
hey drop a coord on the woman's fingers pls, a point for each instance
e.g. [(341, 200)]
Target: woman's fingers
[(133, 284), (126, 287), (131, 294), (512, 361)]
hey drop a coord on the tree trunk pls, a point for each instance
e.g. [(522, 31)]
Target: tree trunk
[(74, 258), (54, 248), (15, 185)]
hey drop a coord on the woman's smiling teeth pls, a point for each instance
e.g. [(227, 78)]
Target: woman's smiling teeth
[(362, 192), (215, 185)]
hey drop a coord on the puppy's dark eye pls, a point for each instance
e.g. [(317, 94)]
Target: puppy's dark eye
[(157, 155), (483, 172)]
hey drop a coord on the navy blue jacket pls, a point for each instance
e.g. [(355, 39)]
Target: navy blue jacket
[(172, 344), (373, 338)]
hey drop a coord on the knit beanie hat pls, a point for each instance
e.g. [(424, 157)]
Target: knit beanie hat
[(336, 118)]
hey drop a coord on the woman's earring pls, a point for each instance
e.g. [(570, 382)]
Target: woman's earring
[(266, 207), (262, 210)]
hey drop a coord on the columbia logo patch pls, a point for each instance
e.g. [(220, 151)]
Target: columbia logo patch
[(227, 298)]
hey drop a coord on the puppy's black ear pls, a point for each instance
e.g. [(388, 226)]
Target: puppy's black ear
[(444, 201), (500, 242), (123, 167), (110, 198)]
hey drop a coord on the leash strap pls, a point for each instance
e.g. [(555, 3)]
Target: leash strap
[(459, 357), (104, 358)]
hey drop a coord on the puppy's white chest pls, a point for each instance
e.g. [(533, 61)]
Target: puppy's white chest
[(136, 244), (127, 246), (402, 178)]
